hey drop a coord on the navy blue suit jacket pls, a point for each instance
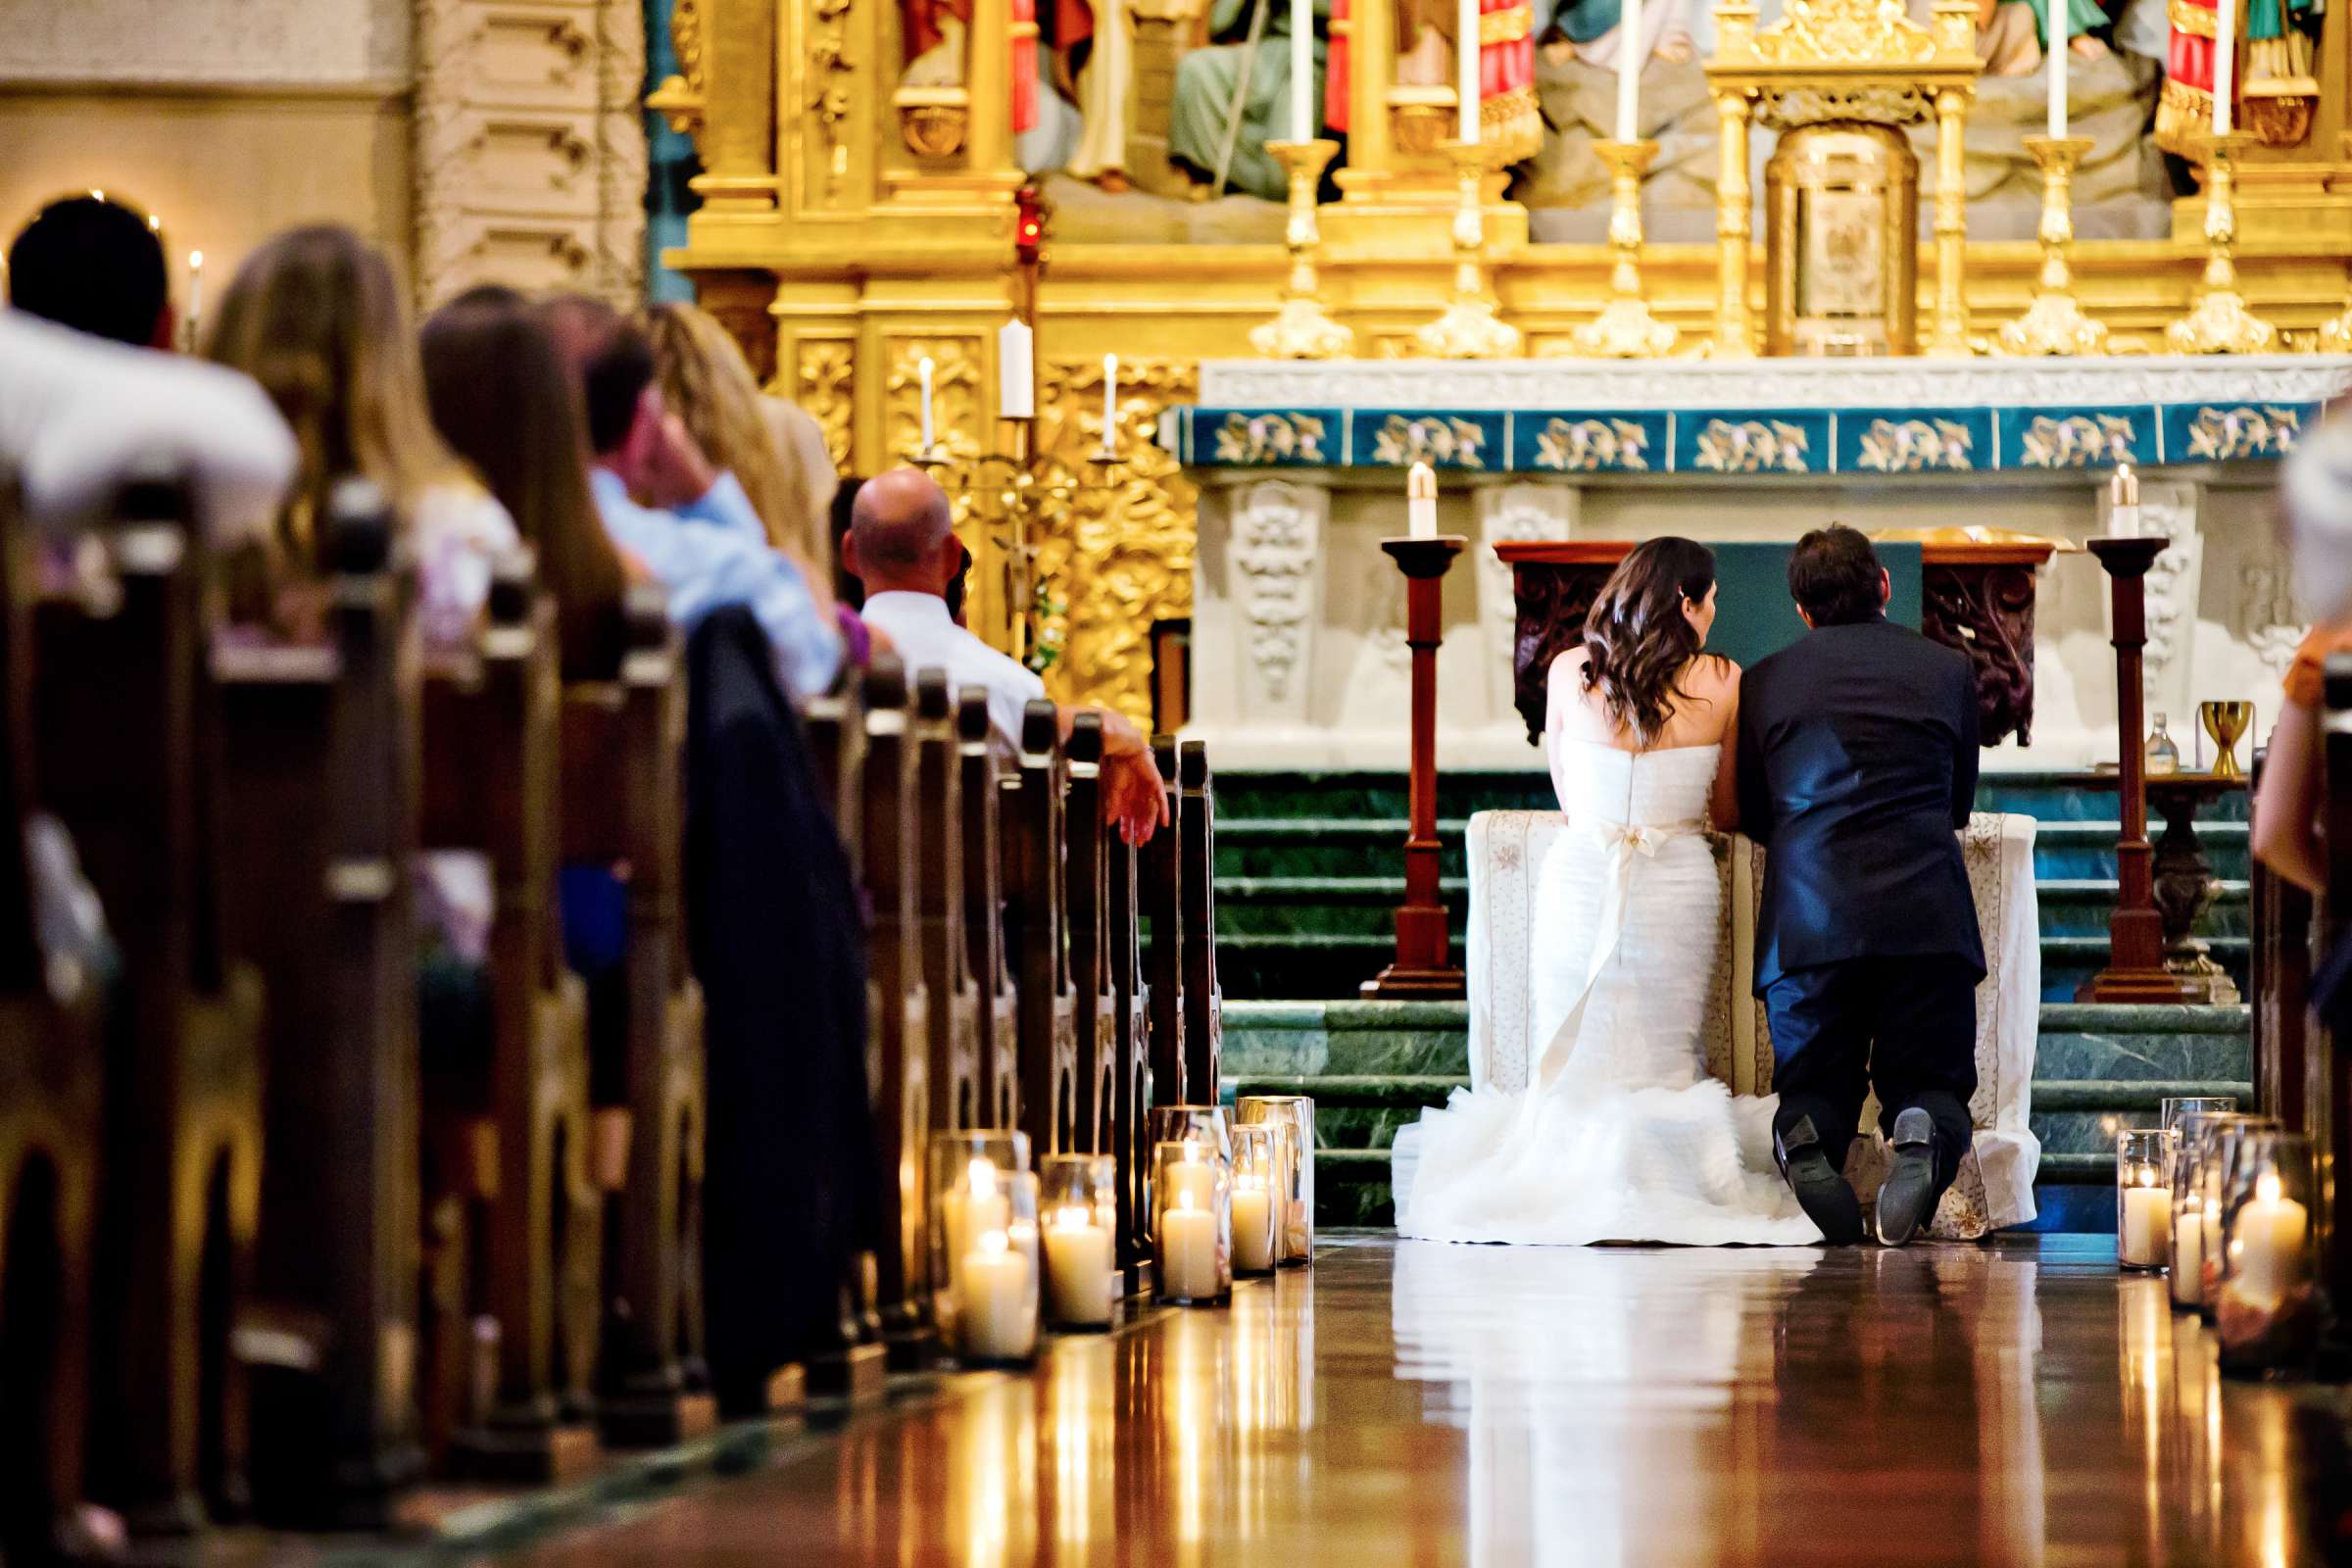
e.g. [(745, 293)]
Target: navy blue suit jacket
[(1857, 765)]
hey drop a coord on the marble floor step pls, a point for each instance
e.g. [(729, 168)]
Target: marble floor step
[(2124, 1096)]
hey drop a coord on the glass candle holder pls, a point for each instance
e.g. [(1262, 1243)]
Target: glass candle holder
[(2143, 1199), (1080, 1210), (1297, 1216), (1191, 1229), (2174, 1109), (2190, 1236), (1210, 1126), (984, 1264), (2264, 1308), (1258, 1199)]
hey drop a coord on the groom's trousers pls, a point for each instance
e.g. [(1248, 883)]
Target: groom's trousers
[(1905, 1027)]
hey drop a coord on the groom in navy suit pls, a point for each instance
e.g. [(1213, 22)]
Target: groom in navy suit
[(1857, 765)]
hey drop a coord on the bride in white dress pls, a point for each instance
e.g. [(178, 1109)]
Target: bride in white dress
[(1620, 1135)]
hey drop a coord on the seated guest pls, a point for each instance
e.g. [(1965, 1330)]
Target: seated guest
[(902, 546), (76, 413), (2316, 505), (94, 266), (505, 402), (664, 502), (707, 383), (315, 317)]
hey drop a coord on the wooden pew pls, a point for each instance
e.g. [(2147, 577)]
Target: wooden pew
[(955, 996), (2282, 932), (52, 1057), (319, 756), (128, 760), (902, 1092), (1204, 997), (1034, 927), (1162, 879), (623, 746), (1085, 904), (515, 1124), (983, 766), (1132, 1050)]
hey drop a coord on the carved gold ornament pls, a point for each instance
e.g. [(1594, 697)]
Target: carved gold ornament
[(2077, 441), (1874, 32), (1589, 445), (1403, 440), (680, 98), (1916, 446), (1753, 446), (2244, 432), (1270, 438), (821, 381)]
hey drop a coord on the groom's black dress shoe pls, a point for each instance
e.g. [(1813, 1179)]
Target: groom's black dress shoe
[(1820, 1186), (1909, 1195)]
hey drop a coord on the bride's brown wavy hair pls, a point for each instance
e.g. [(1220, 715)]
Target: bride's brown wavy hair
[(1637, 639)]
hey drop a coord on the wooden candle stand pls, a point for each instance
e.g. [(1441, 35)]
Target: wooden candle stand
[(1423, 970)]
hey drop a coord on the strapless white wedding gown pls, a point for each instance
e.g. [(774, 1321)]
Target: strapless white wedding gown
[(1620, 1135)]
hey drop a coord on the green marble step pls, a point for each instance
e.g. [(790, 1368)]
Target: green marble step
[(2060, 1095)]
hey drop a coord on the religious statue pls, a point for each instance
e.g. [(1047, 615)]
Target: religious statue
[(2275, 91), (1510, 120), (936, 34), (1100, 87), (1235, 96), (1579, 49), (2012, 36)]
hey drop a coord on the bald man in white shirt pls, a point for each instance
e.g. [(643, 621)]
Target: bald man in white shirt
[(901, 545)]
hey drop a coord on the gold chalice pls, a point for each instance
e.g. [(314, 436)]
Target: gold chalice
[(2225, 722)]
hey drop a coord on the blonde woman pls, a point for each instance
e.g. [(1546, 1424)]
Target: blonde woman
[(315, 317)]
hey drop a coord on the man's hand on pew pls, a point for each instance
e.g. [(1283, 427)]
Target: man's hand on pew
[(1134, 795)]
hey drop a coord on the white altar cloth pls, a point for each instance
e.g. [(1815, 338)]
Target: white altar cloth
[(1995, 1186)]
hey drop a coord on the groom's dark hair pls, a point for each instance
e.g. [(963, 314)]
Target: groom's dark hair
[(1836, 578)]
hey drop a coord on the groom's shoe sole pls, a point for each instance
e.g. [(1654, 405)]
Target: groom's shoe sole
[(1909, 1193), (1821, 1189)]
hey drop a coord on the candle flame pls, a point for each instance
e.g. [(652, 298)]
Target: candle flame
[(993, 1243), (1184, 1200), (155, 224), (1192, 1150), (2267, 1188), (96, 194), (2147, 1175), (1073, 1219), (196, 260), (981, 1177), (1421, 483)]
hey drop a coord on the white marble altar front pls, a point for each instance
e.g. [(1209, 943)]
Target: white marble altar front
[(1298, 634)]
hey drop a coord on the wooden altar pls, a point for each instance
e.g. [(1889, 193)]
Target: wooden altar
[(1978, 598)]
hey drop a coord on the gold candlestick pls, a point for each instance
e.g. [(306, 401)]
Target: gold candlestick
[(2055, 322), (1301, 330), (2220, 322), (1470, 327), (1625, 330)]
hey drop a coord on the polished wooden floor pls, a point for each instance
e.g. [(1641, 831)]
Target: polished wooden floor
[(1419, 1403)]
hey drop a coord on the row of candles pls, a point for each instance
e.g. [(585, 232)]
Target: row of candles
[(2220, 1200), (1017, 1249), (1016, 388)]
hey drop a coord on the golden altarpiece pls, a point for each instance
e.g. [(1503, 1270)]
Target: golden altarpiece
[(853, 226)]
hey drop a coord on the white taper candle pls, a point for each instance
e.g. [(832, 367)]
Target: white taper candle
[(1111, 403), (923, 370), (1302, 60), (2058, 51), (1466, 53), (2225, 64), (1632, 51)]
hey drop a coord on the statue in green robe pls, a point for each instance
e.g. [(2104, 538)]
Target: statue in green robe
[(1200, 127)]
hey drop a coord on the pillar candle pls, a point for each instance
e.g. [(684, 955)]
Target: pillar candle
[(2189, 1254), (1421, 502), (1079, 1270), (1253, 1226), (1302, 59), (1111, 403), (1190, 1180), (2122, 504), (1633, 53), (1466, 53), (2224, 64), (1016, 370), (2148, 1234), (2057, 51), (923, 372), (1188, 1249), (969, 1211), (2266, 1259), (996, 1323)]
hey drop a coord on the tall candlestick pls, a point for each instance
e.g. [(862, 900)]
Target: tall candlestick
[(1633, 52), (1466, 55), (923, 372), (1421, 502), (1302, 60), (1111, 405), (2057, 51), (1016, 370), (2224, 64)]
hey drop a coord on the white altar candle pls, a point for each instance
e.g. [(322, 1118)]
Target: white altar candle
[(969, 1211), (2057, 51), (1466, 53), (195, 295), (994, 1324), (2122, 504), (1188, 1249), (2148, 1236), (1632, 54), (1253, 1225), (1079, 1269), (923, 372), (2189, 1254), (2266, 1252), (1110, 404), (1302, 59), (2224, 64), (1016, 370), (1421, 502)]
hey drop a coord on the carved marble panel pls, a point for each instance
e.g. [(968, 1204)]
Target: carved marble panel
[(2169, 664), (1275, 561), (1507, 511)]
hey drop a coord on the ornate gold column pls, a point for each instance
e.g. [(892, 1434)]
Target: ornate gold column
[(727, 56), (1950, 336), (1734, 202), (989, 71)]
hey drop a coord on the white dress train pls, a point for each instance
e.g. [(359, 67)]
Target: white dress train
[(1620, 1135)]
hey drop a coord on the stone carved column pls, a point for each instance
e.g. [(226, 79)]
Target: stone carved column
[(1506, 512), (2170, 509), (1275, 583)]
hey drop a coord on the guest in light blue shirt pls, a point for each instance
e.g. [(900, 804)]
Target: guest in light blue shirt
[(699, 536)]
